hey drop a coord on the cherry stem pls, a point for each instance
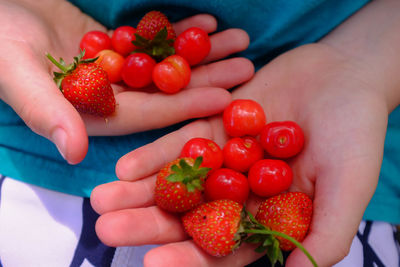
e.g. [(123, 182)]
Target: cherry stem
[(291, 239)]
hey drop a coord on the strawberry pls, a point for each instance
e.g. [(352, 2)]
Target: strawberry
[(214, 226), (281, 223), (152, 23), (85, 84), (220, 226), (155, 36), (288, 213), (179, 184)]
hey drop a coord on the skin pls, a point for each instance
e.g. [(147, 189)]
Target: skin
[(56, 27), (340, 91)]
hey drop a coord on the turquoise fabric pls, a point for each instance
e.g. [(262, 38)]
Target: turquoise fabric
[(274, 27), (33, 159)]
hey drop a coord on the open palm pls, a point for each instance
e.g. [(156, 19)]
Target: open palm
[(31, 29), (344, 124)]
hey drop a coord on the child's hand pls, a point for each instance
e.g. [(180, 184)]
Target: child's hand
[(31, 29), (344, 121)]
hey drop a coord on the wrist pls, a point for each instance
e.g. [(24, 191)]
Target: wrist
[(369, 41)]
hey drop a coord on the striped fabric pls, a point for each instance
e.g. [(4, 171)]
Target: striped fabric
[(40, 227)]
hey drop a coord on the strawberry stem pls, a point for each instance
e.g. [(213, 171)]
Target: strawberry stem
[(291, 239), (55, 62), (158, 48)]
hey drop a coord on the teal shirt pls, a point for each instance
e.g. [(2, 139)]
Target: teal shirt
[(273, 26)]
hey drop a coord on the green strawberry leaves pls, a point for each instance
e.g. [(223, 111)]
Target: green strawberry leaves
[(67, 69), (191, 176), (267, 242), (159, 48)]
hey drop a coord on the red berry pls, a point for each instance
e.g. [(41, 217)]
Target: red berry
[(282, 139), (85, 84), (93, 42), (206, 148), (213, 226), (193, 44), (112, 63), (155, 36), (226, 184), (240, 153), (137, 70), (288, 213), (243, 117), (268, 177), (151, 24), (172, 74), (179, 185), (122, 40)]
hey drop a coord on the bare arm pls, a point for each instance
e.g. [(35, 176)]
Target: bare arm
[(371, 39)]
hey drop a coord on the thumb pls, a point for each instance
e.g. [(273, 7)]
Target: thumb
[(341, 196), (31, 92)]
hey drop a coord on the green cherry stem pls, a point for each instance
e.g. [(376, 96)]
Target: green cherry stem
[(291, 239)]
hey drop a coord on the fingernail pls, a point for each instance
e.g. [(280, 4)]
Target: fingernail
[(59, 138)]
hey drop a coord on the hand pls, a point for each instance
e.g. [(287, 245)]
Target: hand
[(344, 120), (31, 29)]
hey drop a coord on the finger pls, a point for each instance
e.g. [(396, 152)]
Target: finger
[(143, 162), (133, 109), (223, 43), (119, 195), (226, 43), (123, 228), (203, 21), (346, 176), (225, 74), (339, 204), (140, 111), (187, 253), (31, 92)]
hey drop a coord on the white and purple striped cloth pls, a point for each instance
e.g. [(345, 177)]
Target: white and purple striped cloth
[(40, 227)]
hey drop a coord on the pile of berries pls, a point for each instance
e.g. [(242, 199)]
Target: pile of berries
[(149, 54), (208, 186)]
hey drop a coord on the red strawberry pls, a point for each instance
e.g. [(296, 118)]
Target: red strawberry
[(85, 84), (155, 36), (152, 23), (214, 226), (288, 213), (179, 185), (220, 226)]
